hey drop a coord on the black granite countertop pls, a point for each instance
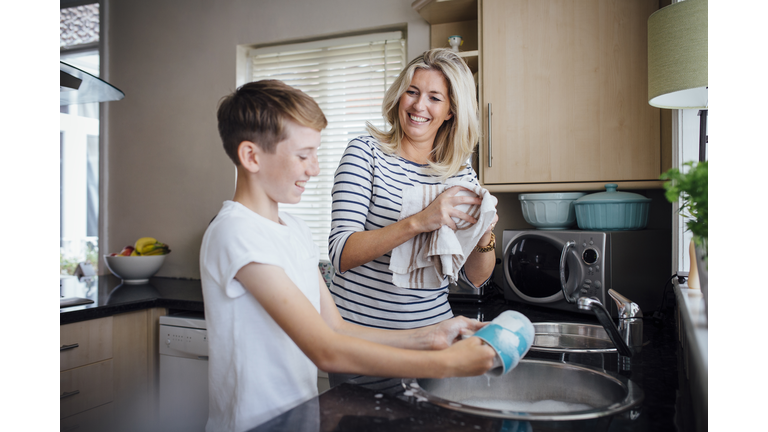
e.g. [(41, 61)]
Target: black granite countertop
[(110, 296), (380, 404)]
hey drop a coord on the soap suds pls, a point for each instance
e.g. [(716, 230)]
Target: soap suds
[(542, 406)]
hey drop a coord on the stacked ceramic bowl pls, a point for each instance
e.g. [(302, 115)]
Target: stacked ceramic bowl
[(550, 211), (612, 210)]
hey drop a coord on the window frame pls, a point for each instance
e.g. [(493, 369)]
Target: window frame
[(330, 157), (99, 47), (685, 145)]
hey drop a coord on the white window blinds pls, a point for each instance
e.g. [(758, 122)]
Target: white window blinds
[(348, 78)]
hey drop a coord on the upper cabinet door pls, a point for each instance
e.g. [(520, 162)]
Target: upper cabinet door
[(566, 81)]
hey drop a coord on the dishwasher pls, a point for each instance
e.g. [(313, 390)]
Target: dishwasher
[(183, 372)]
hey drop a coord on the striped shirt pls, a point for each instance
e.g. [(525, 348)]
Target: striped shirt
[(367, 195)]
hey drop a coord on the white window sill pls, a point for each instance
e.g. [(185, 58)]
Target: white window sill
[(694, 336)]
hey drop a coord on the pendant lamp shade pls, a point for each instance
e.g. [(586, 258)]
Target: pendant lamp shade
[(677, 56)]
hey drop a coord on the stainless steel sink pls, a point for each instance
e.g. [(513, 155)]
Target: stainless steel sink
[(571, 338), (535, 390)]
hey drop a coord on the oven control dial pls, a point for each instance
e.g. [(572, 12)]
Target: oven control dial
[(590, 256)]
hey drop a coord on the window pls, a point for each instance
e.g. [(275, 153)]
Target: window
[(685, 131), (79, 144), (348, 78)]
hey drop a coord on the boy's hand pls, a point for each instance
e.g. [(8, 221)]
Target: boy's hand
[(450, 331), (469, 357)]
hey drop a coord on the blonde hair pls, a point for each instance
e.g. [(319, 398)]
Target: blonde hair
[(457, 137)]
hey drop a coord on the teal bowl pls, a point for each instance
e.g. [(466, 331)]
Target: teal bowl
[(612, 210)]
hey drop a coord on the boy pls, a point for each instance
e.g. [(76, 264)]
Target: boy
[(271, 319)]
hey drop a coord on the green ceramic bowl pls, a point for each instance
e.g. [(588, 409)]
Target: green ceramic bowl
[(612, 210)]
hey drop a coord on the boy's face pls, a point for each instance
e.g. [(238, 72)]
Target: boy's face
[(284, 174)]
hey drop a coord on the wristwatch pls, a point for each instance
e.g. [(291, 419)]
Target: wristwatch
[(491, 246)]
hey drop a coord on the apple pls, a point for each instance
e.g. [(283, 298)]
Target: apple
[(126, 251)]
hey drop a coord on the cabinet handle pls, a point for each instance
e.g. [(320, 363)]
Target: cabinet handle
[(68, 394), (490, 149), (68, 347)]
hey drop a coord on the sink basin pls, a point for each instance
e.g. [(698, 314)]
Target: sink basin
[(571, 338), (536, 390)]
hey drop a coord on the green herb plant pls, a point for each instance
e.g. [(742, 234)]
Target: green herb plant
[(692, 188), (68, 263)]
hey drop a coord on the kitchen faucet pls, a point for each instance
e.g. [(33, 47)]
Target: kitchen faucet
[(628, 337)]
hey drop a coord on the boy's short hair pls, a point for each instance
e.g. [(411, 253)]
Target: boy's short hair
[(258, 111)]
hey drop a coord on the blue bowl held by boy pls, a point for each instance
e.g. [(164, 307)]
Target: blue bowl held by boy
[(510, 335)]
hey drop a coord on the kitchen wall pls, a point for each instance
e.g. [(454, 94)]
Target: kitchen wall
[(164, 172)]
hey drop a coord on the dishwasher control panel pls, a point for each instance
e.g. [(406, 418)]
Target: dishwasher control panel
[(183, 337)]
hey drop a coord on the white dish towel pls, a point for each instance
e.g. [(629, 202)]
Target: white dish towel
[(423, 261)]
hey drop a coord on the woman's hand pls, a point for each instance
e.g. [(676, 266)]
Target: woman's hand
[(493, 224), (446, 333), (485, 239), (443, 210)]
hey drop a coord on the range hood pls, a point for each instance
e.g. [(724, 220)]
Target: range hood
[(78, 87)]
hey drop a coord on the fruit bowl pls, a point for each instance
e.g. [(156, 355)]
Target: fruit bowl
[(134, 269)]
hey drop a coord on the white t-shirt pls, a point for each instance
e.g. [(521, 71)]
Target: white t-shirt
[(255, 370)]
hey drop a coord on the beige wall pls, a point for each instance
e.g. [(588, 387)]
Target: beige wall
[(164, 173)]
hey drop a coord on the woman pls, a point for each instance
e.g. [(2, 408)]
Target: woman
[(433, 112)]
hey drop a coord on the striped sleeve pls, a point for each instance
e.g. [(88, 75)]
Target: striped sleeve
[(351, 196)]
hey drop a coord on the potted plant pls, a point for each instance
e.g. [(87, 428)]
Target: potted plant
[(691, 188)]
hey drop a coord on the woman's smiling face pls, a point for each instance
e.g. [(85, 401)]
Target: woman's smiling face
[(424, 106)]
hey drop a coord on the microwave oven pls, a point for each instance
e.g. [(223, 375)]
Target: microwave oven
[(636, 264)]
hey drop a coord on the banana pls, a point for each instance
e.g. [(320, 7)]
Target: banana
[(146, 250), (150, 246), (158, 251), (145, 244)]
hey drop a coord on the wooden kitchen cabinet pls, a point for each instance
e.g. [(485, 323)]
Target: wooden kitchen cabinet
[(85, 387), (452, 17), (85, 342), (566, 82), (109, 372), (94, 419), (86, 367)]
